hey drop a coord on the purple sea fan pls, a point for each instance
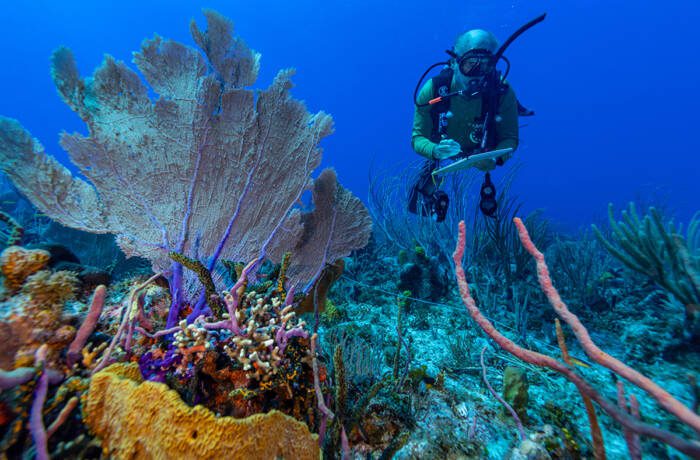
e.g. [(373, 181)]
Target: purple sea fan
[(210, 169), (338, 224)]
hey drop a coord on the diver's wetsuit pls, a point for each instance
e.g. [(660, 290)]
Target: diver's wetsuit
[(461, 127)]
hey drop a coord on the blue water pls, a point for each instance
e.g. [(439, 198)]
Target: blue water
[(614, 84)]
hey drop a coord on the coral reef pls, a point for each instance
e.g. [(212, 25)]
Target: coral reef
[(397, 377), (630, 421), (207, 143), (34, 314), (209, 174), (213, 345)]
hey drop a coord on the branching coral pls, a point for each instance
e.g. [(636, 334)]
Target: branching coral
[(190, 343), (253, 360), (260, 345), (192, 335)]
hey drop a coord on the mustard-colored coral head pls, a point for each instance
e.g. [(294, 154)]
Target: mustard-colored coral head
[(50, 290), (17, 263)]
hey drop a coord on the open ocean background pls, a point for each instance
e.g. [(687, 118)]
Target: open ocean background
[(614, 83)]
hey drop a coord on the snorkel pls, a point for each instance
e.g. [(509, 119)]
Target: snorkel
[(493, 60)]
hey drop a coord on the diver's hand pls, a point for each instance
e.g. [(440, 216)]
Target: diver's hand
[(446, 148), (485, 165)]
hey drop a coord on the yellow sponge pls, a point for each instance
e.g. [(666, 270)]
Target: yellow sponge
[(147, 420)]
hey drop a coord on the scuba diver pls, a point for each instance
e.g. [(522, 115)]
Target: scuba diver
[(468, 109)]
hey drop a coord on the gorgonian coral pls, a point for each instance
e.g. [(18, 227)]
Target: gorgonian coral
[(209, 169)]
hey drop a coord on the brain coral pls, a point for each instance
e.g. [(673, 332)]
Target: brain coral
[(145, 420)]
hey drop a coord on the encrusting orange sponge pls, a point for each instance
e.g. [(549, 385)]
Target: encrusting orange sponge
[(148, 420)]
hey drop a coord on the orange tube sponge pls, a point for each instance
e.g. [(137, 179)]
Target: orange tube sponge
[(145, 420)]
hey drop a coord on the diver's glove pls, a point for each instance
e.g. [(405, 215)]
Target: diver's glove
[(447, 148)]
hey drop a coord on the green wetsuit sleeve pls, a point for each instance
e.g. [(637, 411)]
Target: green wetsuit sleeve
[(423, 124), (507, 128)]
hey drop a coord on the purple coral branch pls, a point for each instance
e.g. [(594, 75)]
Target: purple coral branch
[(190, 193), (124, 323), (232, 300), (168, 331), (344, 444), (326, 414), (13, 378), (175, 283), (88, 326), (317, 382), (198, 308), (225, 324), (36, 422), (510, 409), (322, 429), (22, 375), (283, 335), (631, 438), (289, 298)]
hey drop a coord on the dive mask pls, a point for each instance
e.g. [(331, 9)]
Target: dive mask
[(475, 63)]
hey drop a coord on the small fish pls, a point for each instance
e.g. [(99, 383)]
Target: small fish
[(578, 362)]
